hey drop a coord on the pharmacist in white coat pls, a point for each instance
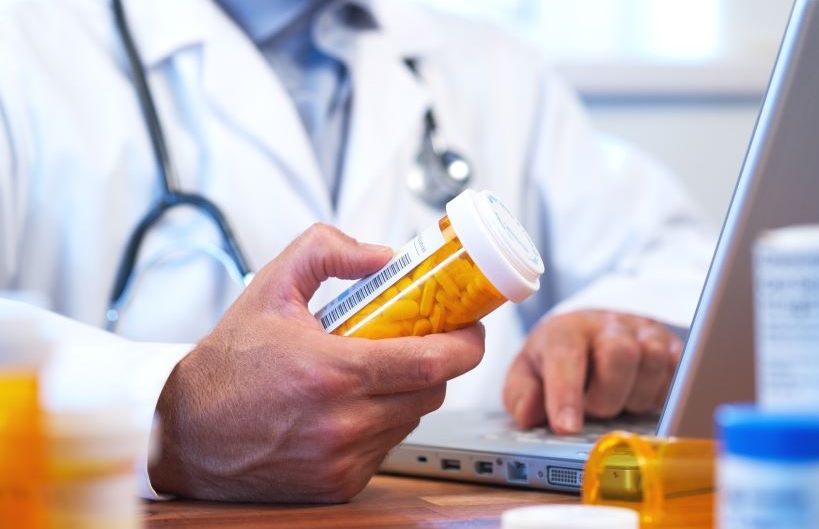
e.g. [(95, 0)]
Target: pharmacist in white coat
[(285, 114)]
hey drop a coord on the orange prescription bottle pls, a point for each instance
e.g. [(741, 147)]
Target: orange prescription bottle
[(670, 481), (22, 450), (476, 258)]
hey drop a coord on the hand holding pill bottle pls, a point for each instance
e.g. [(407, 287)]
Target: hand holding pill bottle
[(450, 276)]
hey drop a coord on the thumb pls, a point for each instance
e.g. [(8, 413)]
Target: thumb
[(321, 252)]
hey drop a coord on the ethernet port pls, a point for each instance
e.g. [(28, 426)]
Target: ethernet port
[(517, 472)]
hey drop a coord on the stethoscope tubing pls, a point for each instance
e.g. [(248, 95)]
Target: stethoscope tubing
[(171, 195), (168, 201), (170, 180)]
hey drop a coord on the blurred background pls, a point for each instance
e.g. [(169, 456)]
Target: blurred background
[(683, 79)]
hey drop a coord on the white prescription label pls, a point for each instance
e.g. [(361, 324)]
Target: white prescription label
[(767, 495), (368, 288), (786, 290)]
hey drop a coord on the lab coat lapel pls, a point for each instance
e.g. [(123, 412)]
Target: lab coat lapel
[(387, 113), (238, 82)]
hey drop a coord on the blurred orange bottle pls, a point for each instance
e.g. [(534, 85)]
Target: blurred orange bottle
[(669, 481), (22, 449)]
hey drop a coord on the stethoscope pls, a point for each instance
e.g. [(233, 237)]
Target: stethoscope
[(445, 175), (441, 173)]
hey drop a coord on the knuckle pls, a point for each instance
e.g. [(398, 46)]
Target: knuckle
[(620, 354), (336, 479), (368, 368), (563, 352), (410, 426), (320, 232), (653, 363), (321, 383), (639, 406), (434, 399), (344, 431), (429, 368), (348, 490), (603, 408), (343, 480), (320, 229)]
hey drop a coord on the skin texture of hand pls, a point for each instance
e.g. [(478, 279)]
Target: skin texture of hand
[(270, 408), (596, 363)]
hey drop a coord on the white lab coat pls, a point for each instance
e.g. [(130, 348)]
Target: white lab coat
[(77, 170)]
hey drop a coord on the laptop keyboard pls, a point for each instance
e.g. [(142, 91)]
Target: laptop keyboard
[(593, 429)]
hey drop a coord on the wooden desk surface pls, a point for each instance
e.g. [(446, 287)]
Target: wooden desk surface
[(387, 502)]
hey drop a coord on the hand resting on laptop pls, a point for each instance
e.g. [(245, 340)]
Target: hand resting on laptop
[(597, 363)]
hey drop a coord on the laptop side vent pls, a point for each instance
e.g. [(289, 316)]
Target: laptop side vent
[(564, 477)]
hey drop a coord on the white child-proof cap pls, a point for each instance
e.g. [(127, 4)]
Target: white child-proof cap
[(570, 517), (497, 243)]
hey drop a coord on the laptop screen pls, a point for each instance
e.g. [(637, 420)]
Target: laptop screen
[(777, 186)]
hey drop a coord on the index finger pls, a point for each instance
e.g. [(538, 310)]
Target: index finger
[(565, 364), (396, 365)]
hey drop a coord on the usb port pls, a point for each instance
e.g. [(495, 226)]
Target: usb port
[(450, 464), (484, 467)]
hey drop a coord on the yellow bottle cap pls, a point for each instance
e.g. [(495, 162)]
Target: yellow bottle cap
[(570, 517)]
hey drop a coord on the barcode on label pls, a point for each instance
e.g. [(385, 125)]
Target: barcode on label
[(365, 290), (362, 290)]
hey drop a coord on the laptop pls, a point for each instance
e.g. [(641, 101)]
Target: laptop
[(777, 186)]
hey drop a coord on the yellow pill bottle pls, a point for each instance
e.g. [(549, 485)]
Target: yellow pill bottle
[(476, 258), (669, 481), (23, 350)]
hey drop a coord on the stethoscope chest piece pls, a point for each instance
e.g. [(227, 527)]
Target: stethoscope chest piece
[(439, 174)]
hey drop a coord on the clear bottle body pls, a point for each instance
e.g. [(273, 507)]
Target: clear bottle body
[(444, 292)]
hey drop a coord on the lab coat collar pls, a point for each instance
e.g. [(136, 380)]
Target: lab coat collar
[(237, 81), (262, 19), (389, 100), (162, 28), (407, 24), (410, 26), (245, 90)]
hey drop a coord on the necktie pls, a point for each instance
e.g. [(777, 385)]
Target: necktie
[(319, 86)]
